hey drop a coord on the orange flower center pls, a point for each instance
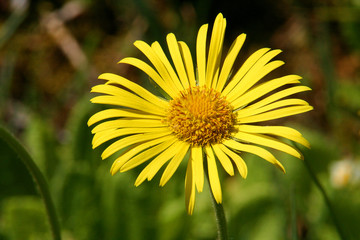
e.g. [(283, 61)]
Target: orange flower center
[(201, 116)]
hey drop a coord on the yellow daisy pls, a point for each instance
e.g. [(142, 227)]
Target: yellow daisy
[(209, 112)]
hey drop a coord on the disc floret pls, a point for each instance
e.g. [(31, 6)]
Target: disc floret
[(201, 116)]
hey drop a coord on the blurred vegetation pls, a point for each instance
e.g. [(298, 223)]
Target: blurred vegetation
[(51, 53)]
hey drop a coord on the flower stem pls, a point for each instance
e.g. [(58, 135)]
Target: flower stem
[(219, 211), (326, 199), (38, 177)]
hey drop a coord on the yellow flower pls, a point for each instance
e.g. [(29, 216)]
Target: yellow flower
[(209, 112)]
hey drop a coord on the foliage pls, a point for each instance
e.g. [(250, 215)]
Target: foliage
[(44, 101)]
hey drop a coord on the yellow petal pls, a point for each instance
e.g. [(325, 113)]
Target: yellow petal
[(130, 102), (113, 78), (239, 162), (158, 64), (224, 159), (215, 49), (163, 142), (161, 152), (229, 61), (186, 54), (201, 54), (198, 166), (169, 89), (118, 113), (213, 175), (262, 89), (173, 80), (174, 163), (246, 112), (104, 136), (128, 122), (124, 95), (259, 70), (128, 141), (261, 152), (154, 166), (281, 131), (177, 60), (268, 141), (248, 64), (275, 114), (278, 95), (190, 188), (269, 67)]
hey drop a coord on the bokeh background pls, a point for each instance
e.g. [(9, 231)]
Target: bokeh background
[(51, 53)]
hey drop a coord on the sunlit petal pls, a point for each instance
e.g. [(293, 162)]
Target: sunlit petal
[(239, 162), (229, 61), (128, 141), (198, 163), (142, 155), (171, 90), (116, 79), (261, 152), (267, 141), (174, 163), (275, 114), (201, 54), (223, 159), (190, 188), (154, 166), (281, 131), (160, 53), (177, 59), (189, 65), (215, 49), (120, 113), (248, 64), (213, 175)]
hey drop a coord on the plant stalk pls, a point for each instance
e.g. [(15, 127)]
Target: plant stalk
[(326, 199), (219, 211), (38, 177)]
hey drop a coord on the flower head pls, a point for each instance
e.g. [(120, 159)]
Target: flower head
[(210, 111)]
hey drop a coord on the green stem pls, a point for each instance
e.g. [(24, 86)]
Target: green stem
[(326, 199), (38, 178), (219, 212)]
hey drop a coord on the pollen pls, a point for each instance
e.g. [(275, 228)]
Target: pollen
[(201, 116)]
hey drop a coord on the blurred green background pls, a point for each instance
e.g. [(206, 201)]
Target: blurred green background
[(51, 53)]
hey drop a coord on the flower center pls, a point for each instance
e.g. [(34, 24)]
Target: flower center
[(201, 116)]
